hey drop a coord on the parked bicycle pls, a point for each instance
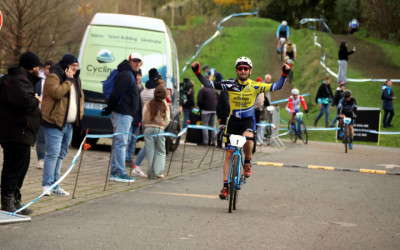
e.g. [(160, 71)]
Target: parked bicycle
[(236, 178), (298, 129)]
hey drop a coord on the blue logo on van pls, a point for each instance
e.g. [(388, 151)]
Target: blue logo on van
[(105, 56)]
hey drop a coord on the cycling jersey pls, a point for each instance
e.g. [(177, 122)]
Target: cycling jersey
[(282, 31), (287, 48), (242, 94), (294, 105), (347, 108)]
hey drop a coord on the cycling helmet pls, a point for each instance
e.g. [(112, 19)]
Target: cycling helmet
[(289, 42), (284, 23), (347, 93), (244, 61), (295, 92)]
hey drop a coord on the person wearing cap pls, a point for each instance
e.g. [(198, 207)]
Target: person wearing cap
[(211, 73), (242, 96), (289, 49), (20, 113), (62, 108), (336, 98), (123, 104)]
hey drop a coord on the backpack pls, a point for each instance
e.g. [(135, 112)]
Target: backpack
[(108, 84)]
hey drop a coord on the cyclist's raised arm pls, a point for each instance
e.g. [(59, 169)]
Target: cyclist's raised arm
[(207, 83), (279, 84)]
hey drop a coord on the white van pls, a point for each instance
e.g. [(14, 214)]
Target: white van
[(108, 40)]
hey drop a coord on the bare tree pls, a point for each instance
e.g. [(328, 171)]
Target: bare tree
[(41, 26)]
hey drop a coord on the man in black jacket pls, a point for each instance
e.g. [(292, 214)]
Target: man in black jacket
[(123, 105), (19, 109), (207, 101)]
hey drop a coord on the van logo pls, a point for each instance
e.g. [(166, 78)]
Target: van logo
[(105, 56)]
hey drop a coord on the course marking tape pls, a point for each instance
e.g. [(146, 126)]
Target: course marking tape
[(329, 168)]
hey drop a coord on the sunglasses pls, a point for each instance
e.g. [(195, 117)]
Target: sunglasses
[(240, 68)]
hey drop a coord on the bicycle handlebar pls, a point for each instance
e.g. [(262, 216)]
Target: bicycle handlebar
[(249, 138)]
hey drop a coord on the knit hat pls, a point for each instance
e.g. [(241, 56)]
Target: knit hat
[(154, 75), (66, 60), (160, 92), (29, 60)]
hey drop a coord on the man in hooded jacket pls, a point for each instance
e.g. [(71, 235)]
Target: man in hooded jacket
[(19, 109)]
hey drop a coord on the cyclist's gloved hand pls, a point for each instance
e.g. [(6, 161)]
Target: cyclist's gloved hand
[(285, 72), (306, 111), (196, 67), (105, 111)]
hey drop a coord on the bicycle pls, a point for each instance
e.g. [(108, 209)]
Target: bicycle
[(346, 132), (283, 41), (298, 129), (236, 178)]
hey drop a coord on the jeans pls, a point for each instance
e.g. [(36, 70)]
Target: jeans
[(122, 124), (140, 157), (208, 120), (386, 122), (16, 158), (41, 144), (260, 134), (130, 149), (324, 108), (186, 117), (155, 151), (334, 121), (57, 143)]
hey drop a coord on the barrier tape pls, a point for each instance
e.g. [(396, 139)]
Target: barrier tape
[(305, 20), (218, 32), (169, 134), (329, 168)]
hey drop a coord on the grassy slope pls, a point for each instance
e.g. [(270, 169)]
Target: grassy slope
[(256, 32)]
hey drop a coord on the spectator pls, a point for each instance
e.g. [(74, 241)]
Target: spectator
[(19, 109), (207, 101), (336, 99), (62, 108), (267, 79), (187, 100), (323, 99), (147, 95), (137, 119), (41, 140), (354, 26), (343, 58), (387, 97), (211, 73), (223, 107), (123, 104), (156, 116), (258, 112)]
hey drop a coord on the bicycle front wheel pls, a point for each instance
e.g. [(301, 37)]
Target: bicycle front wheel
[(292, 132), (304, 133), (346, 136), (232, 200)]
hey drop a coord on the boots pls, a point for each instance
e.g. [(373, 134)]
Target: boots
[(18, 205), (8, 203), (315, 123), (327, 125)]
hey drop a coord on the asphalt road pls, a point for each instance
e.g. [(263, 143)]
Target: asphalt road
[(279, 208)]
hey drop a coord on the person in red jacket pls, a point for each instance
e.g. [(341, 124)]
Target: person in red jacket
[(293, 105)]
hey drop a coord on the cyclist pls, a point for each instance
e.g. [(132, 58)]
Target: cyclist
[(347, 107), (242, 93), (354, 26), (282, 31), (290, 50), (293, 105)]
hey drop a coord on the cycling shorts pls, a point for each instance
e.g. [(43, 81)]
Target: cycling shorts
[(237, 126)]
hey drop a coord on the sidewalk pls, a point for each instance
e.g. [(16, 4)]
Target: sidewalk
[(93, 174)]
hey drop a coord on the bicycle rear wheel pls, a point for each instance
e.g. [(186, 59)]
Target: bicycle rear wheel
[(303, 132), (292, 132), (232, 200)]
